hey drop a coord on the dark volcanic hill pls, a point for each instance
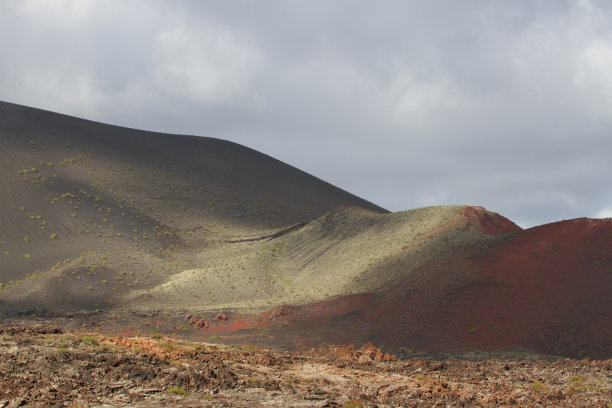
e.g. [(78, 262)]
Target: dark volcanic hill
[(137, 223), (111, 206)]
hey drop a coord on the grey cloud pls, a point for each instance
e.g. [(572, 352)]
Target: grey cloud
[(494, 103)]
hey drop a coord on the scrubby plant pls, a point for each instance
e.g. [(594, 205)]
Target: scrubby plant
[(177, 391), (538, 386), (90, 340)]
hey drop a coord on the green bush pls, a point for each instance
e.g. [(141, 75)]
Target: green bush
[(538, 386), (177, 391), (90, 339)]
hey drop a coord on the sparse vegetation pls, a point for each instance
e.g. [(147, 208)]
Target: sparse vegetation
[(168, 346), (177, 391), (90, 340), (538, 386)]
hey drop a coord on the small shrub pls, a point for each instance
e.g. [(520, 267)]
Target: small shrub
[(471, 330), (353, 404), (90, 340), (155, 336), (53, 236), (168, 346), (538, 386), (177, 391)]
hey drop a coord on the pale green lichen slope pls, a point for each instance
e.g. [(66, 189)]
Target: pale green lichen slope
[(348, 250)]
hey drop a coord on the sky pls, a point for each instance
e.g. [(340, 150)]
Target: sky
[(503, 104)]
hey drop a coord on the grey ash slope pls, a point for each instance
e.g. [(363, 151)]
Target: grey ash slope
[(91, 212)]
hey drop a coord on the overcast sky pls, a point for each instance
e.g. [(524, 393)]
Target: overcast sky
[(504, 104)]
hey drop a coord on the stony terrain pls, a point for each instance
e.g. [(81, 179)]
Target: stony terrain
[(42, 366)]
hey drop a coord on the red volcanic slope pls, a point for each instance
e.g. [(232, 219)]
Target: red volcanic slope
[(545, 289), (488, 222)]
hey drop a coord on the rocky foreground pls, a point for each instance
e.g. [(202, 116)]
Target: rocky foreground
[(41, 366)]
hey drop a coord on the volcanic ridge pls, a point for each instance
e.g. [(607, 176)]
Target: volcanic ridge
[(205, 238)]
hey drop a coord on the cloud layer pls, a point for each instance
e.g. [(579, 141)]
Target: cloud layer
[(502, 104)]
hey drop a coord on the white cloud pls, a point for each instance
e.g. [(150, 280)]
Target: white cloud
[(206, 63), (409, 97), (65, 9), (596, 75), (605, 213)]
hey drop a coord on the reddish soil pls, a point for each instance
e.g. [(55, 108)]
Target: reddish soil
[(487, 222)]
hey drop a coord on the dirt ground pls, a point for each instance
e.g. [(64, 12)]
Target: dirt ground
[(43, 366)]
